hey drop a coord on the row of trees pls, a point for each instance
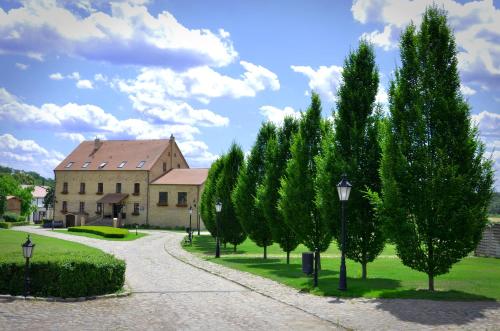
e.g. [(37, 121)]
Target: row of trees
[(419, 176)]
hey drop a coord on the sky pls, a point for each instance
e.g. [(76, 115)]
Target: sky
[(208, 72)]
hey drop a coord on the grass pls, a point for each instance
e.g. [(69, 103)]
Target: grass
[(45, 247), (473, 278), (128, 237), (105, 231)]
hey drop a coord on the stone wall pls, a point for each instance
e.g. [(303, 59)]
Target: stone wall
[(490, 242)]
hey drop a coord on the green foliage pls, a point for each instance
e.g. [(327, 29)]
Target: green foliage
[(58, 268), (230, 229), (20, 223), (26, 177), (48, 200), (105, 231), (250, 177), (208, 197), (276, 156), (297, 192), (355, 151), (436, 185), (494, 208), (10, 186), (5, 225), (11, 217)]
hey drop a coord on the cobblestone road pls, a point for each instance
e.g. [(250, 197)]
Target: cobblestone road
[(170, 294), (167, 295)]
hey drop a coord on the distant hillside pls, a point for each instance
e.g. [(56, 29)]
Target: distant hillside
[(495, 204), (27, 177)]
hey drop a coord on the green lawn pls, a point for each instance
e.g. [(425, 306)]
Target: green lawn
[(128, 237), (11, 241), (473, 278)]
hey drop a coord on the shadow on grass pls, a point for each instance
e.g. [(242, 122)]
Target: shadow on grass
[(206, 245), (432, 312)]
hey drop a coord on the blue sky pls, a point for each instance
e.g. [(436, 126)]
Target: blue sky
[(207, 71)]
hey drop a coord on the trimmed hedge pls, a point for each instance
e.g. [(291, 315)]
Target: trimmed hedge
[(5, 225), (67, 276), (20, 223), (11, 217), (105, 231)]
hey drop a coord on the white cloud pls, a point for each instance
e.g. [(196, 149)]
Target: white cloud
[(56, 76), (382, 97), (197, 153), (100, 78), (78, 137), (475, 23), (277, 115), (324, 81), (27, 155), (84, 84), (488, 124), (74, 75), (21, 66), (128, 34), (466, 90)]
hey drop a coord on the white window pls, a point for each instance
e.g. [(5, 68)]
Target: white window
[(102, 165), (121, 165), (141, 164), (69, 164), (86, 165)]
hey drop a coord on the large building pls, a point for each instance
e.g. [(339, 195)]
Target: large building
[(135, 181)]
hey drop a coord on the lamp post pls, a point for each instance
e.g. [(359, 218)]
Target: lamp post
[(218, 208), (28, 247), (343, 189), (136, 226), (197, 216), (190, 232)]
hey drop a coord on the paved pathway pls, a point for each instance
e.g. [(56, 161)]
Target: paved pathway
[(173, 290)]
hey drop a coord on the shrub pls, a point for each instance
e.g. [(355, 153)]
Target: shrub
[(21, 219), (11, 217), (105, 231), (20, 223), (5, 225), (69, 275)]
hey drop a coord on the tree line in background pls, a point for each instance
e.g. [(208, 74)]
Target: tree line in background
[(419, 175)]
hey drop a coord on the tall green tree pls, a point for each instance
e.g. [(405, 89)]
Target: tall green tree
[(230, 229), (10, 186), (208, 197), (355, 151), (436, 184), (277, 154), (297, 192), (244, 196)]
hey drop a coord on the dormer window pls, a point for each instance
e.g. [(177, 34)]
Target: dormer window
[(141, 164), (121, 165), (86, 165), (102, 165), (69, 164)]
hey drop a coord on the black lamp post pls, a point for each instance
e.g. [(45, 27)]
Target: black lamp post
[(28, 248), (197, 216), (190, 232), (136, 226), (218, 208), (343, 189)]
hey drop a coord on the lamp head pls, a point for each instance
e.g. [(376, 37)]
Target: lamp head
[(344, 188), (28, 247)]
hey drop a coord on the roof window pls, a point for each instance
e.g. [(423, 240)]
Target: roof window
[(69, 164), (121, 165), (141, 164), (102, 165), (86, 164)]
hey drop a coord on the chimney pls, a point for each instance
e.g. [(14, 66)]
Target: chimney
[(97, 144), (172, 138)]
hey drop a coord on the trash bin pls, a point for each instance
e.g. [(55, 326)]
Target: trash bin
[(307, 263)]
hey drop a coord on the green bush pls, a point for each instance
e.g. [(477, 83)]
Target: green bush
[(11, 217), (71, 275), (5, 225), (105, 231), (21, 219), (20, 223)]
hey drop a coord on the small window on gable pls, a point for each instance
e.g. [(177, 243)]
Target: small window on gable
[(175, 154), (141, 164), (102, 165), (69, 164), (86, 165), (121, 165)]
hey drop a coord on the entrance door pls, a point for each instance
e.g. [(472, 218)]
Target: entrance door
[(70, 220), (116, 210)]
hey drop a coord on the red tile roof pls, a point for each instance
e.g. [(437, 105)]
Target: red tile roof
[(183, 177), (114, 152)]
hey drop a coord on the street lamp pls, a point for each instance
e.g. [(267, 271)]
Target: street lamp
[(197, 216), (28, 247), (218, 208), (136, 226), (190, 232), (343, 189)]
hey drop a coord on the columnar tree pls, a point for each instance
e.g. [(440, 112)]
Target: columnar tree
[(277, 154), (208, 197), (354, 150), (230, 229), (297, 192), (251, 176), (436, 184)]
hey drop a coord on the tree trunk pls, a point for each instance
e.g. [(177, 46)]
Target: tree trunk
[(287, 257), (234, 249), (316, 267), (265, 252), (363, 265), (431, 282)]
